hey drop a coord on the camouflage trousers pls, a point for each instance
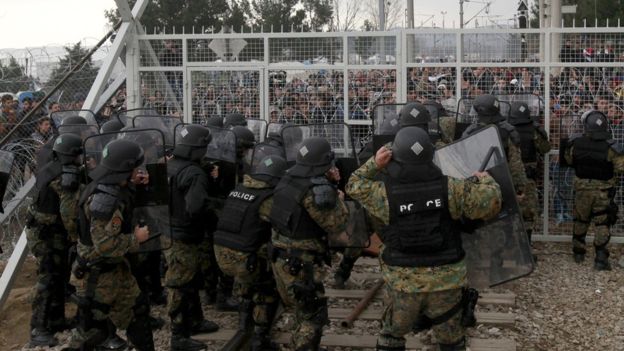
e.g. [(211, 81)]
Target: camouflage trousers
[(403, 309), (50, 247), (529, 205), (593, 206), (213, 277), (183, 281), (253, 279), (307, 297)]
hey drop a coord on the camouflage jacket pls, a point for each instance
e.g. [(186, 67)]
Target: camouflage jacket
[(473, 198), (68, 208), (108, 240), (596, 184)]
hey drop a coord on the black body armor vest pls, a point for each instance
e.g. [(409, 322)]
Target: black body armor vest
[(527, 145), (590, 159), (421, 232), (47, 199), (288, 216), (119, 198), (183, 227), (240, 227)]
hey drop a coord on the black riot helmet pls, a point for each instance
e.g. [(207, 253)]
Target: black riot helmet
[(270, 169), (192, 142), (414, 114), (389, 126), (314, 158), (245, 138), (73, 120), (436, 110), (234, 119), (596, 125), (119, 158), (67, 148), (113, 125), (412, 155), (519, 114), (214, 122), (488, 109)]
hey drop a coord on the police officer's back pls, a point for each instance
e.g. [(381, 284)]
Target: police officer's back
[(421, 210)]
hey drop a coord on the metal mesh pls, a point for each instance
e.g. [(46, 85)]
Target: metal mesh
[(225, 49), (431, 48), (306, 96), (365, 50), (591, 47), (166, 53), (501, 47), (162, 91), (308, 51), (217, 93), (432, 83)]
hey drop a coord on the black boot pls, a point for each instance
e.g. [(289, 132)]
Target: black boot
[(344, 271), (138, 332), (245, 326), (199, 325), (458, 346), (42, 337), (113, 341), (181, 340), (601, 262)]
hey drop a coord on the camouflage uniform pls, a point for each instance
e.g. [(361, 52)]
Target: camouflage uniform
[(530, 203), (309, 320), (593, 198), (428, 290), (447, 129), (259, 284), (49, 238)]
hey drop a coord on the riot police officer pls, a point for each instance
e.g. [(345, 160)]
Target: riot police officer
[(233, 120), (240, 247), (420, 209), (105, 287), (533, 142), (414, 114), (50, 231), (488, 111), (307, 208), (596, 158), (189, 204), (113, 125)]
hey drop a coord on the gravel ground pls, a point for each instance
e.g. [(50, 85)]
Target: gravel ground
[(561, 306)]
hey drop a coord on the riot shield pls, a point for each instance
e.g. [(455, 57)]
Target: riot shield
[(151, 200), (535, 102), (59, 116), (464, 117), (341, 141), (126, 116), (82, 130), (165, 124), (6, 165), (274, 128), (258, 127), (498, 250), (382, 112), (264, 149), (222, 146)]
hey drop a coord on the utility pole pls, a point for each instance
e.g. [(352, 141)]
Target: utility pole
[(382, 15), (410, 14), (461, 13)]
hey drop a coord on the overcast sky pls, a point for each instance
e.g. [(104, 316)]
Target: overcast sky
[(30, 23)]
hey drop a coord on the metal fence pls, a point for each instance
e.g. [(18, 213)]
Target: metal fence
[(334, 77)]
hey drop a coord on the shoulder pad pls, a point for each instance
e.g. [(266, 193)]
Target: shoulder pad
[(471, 129), (615, 146), (103, 205), (325, 196), (70, 178)]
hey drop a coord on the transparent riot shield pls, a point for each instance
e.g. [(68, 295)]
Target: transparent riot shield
[(464, 117), (59, 116), (82, 130), (222, 146), (535, 102), (382, 112), (151, 200), (498, 250), (264, 149), (126, 116), (434, 126), (274, 128), (6, 166), (341, 141), (258, 127), (165, 124)]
